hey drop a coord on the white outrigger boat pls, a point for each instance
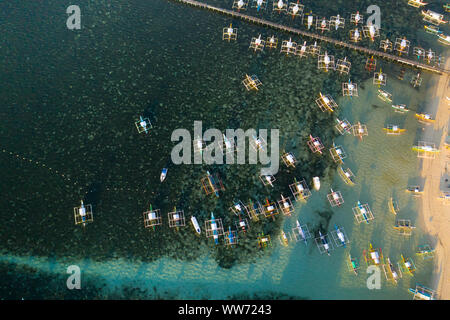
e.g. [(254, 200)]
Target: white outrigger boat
[(316, 183), (301, 232), (163, 174), (195, 225)]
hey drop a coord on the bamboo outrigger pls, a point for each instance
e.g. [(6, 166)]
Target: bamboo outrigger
[(422, 293), (444, 39), (323, 244), (143, 125), (267, 180), (425, 251), (356, 18), (386, 45), (230, 237), (152, 218), (400, 108), (315, 144), (347, 175), (430, 56), (326, 62), (362, 213), (404, 227), (379, 78), (229, 33), (295, 9), (83, 214), (264, 241), (393, 206), (371, 31), (384, 95), (288, 47), (242, 224), (259, 4), (326, 103), (286, 206), (300, 190), (355, 35), (343, 126), (391, 272), (240, 5), (257, 143), (349, 89), (417, 3), (407, 265), (323, 24), (335, 198), (176, 218), (251, 82), (238, 208), (257, 44), (433, 17), (289, 159), (300, 232), (343, 66), (280, 6), (302, 51), (339, 237), (371, 64), (270, 209), (416, 81), (424, 118), (393, 129), (360, 130), (426, 150), (338, 154), (373, 256), (214, 228), (419, 52), (353, 264), (337, 22), (314, 49), (212, 184), (401, 46), (272, 42), (254, 210)]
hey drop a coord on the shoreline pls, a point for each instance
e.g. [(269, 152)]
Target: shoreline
[(432, 209)]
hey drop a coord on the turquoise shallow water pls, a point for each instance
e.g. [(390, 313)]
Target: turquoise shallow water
[(165, 60)]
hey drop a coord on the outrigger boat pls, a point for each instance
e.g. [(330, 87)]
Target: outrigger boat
[(143, 125), (335, 198), (362, 213), (446, 7), (356, 18), (323, 244), (424, 117), (242, 223), (433, 17), (83, 214), (240, 5), (425, 148), (259, 4), (315, 144), (163, 174), (444, 39), (347, 175), (400, 108), (301, 232), (316, 183), (352, 264), (283, 239), (212, 184), (422, 293), (300, 190), (390, 271), (360, 130), (393, 129), (152, 218), (415, 190), (384, 95), (405, 227), (231, 237), (407, 265), (339, 236), (343, 126), (215, 229), (416, 81), (195, 225), (425, 251), (286, 206), (393, 206), (432, 29), (264, 241), (373, 256), (417, 3)]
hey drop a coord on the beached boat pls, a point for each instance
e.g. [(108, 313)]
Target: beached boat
[(347, 175), (163, 174), (424, 117), (384, 95), (316, 183), (195, 225), (353, 264), (414, 189), (393, 130), (425, 148), (425, 251), (400, 108), (373, 256), (393, 206)]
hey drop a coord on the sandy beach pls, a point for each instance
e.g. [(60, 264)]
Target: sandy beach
[(435, 212)]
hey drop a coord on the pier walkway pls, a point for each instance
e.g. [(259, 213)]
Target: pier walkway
[(280, 27)]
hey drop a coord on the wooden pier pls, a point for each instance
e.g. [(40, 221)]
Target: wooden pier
[(338, 43)]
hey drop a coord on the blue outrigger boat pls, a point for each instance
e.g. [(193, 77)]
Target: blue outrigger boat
[(214, 229), (340, 235)]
